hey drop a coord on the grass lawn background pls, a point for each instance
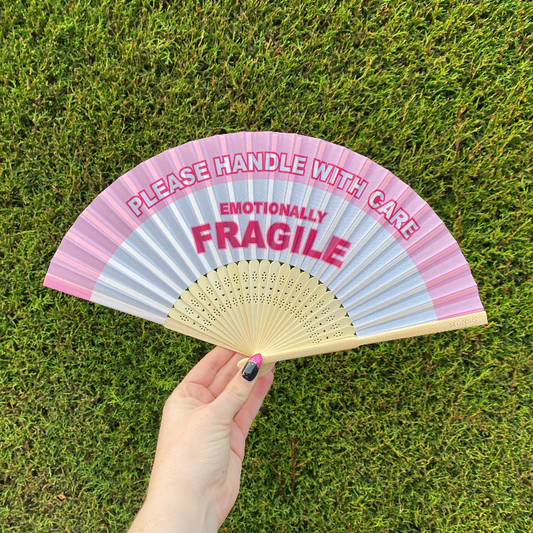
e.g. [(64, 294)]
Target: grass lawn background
[(425, 434)]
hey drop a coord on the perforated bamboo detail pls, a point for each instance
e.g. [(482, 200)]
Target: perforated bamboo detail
[(261, 307)]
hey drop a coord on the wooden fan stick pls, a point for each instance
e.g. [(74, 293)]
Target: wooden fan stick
[(449, 324)]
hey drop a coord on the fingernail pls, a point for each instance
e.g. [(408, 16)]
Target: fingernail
[(251, 368)]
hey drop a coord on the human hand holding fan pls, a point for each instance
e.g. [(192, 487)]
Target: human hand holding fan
[(269, 243)]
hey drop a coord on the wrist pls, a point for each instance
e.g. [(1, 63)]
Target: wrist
[(161, 514)]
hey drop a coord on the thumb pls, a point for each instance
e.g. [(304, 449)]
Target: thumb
[(234, 396)]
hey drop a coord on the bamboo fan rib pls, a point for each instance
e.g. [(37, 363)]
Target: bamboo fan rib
[(261, 307)]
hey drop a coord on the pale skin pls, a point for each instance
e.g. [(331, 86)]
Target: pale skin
[(197, 467)]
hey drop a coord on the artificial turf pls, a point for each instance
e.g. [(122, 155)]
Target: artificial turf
[(426, 434)]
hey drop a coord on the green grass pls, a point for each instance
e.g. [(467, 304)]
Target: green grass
[(426, 434)]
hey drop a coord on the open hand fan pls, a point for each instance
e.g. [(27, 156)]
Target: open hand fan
[(269, 242)]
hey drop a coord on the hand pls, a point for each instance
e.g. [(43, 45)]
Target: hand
[(196, 474)]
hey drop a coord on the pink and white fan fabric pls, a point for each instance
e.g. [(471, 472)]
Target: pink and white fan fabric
[(269, 242)]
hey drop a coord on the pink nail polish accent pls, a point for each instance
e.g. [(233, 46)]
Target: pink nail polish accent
[(251, 368), (257, 359)]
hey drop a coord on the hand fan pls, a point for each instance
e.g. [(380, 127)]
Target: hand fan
[(269, 242)]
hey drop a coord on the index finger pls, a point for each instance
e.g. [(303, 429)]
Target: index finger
[(208, 367)]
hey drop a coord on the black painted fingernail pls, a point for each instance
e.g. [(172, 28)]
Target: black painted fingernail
[(251, 368)]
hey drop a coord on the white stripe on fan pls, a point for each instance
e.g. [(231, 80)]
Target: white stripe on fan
[(134, 294), (106, 300)]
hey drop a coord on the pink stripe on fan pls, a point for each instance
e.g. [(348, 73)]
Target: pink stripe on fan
[(431, 247), (103, 227), (463, 281), (462, 302), (71, 235), (470, 305), (60, 284), (77, 266), (81, 255)]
